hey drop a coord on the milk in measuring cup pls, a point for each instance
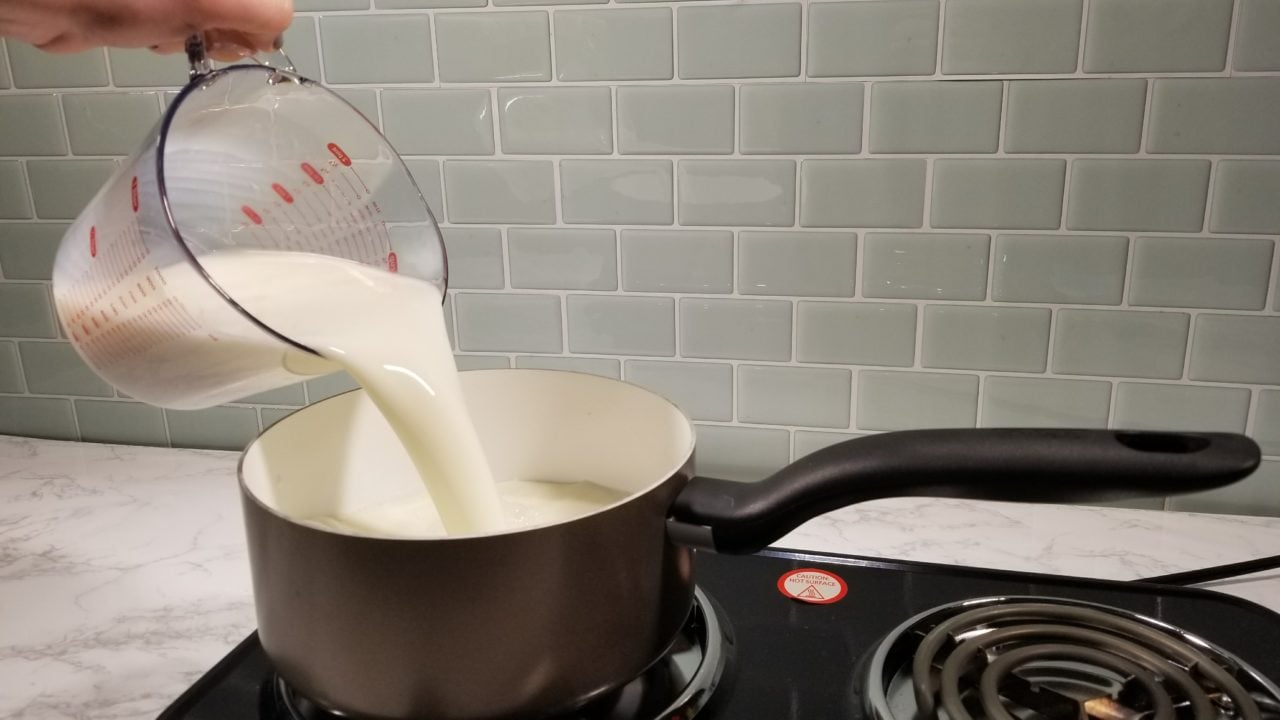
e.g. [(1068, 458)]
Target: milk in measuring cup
[(388, 332)]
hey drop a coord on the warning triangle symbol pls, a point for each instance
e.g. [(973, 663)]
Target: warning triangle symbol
[(811, 593)]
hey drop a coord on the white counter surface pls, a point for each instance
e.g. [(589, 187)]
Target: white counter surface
[(123, 572)]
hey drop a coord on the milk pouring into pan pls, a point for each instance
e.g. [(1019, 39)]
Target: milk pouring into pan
[(265, 233)]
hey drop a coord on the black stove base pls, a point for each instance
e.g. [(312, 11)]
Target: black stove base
[(797, 659)]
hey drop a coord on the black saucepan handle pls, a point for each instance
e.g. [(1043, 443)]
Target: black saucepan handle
[(1020, 465)]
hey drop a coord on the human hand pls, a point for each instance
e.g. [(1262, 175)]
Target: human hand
[(233, 28)]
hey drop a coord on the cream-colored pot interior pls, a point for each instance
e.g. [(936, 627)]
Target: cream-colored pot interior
[(340, 455)]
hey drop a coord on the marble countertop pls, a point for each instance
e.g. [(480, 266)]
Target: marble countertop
[(123, 572)]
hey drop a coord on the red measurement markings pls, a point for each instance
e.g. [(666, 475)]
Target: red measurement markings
[(284, 194), (120, 256), (355, 196), (157, 325), (312, 173), (393, 262), (93, 241), (133, 193), (252, 214), (338, 153)]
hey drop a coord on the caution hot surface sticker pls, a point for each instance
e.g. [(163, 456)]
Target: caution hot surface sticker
[(812, 586)]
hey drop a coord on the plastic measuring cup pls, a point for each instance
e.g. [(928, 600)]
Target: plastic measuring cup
[(248, 157)]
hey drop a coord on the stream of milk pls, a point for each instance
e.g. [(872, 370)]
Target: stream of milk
[(388, 331)]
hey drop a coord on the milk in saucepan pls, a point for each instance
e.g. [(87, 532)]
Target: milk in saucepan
[(388, 332)]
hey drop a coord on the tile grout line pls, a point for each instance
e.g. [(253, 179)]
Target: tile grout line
[(1233, 31)]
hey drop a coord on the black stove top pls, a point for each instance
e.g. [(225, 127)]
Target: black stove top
[(792, 658)]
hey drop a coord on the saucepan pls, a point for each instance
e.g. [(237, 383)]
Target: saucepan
[(538, 621)]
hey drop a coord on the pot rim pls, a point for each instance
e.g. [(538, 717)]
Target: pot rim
[(686, 457)]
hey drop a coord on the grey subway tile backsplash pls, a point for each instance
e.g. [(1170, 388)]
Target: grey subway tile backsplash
[(930, 266), (61, 188), (610, 325), (304, 50), (1157, 36), (500, 191), (873, 37), (494, 47), (481, 362), (1075, 116), (739, 41), (34, 68), (1266, 421), (139, 67), (32, 125), (809, 397), (806, 442), (1258, 27), (1011, 36), (788, 118), (1222, 273), (1149, 195), (333, 4), (55, 368), (333, 384), (25, 311), (897, 400), (1236, 348), (439, 122), (1255, 495), (737, 192), (735, 329), (1120, 343), (1215, 115), (604, 367), (27, 249), (542, 120), (293, 395), (796, 263), (15, 199), (935, 117), (38, 417), (665, 119), (108, 123), (1044, 402), (414, 4), (562, 259), (877, 192), (426, 174), (1244, 197), (962, 337), (508, 323), (704, 391), (403, 48), (10, 369), (677, 261), (856, 333), (632, 44), (1003, 194), (848, 215), (126, 423), (1152, 406), (475, 258), (610, 191), (269, 416), (741, 453), (1068, 269), (217, 428)]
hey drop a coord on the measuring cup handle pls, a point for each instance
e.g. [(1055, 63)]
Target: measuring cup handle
[(196, 56), (200, 64)]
